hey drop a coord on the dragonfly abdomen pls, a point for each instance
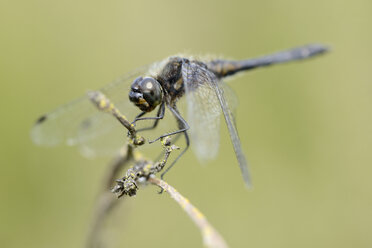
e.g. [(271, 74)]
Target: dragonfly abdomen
[(224, 68)]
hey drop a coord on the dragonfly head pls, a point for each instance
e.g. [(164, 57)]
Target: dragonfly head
[(146, 93)]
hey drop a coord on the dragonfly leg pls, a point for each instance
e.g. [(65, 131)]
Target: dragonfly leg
[(173, 141), (159, 116), (183, 127), (182, 124), (138, 117), (178, 157)]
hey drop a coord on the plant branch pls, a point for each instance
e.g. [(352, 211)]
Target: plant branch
[(142, 172), (211, 237)]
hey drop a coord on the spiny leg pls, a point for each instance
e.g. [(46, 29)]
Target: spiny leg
[(183, 127), (182, 124), (138, 117), (179, 156), (173, 141), (159, 116)]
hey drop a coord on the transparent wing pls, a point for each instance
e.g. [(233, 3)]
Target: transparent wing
[(230, 96), (231, 126), (204, 111), (203, 117), (81, 123), (206, 99)]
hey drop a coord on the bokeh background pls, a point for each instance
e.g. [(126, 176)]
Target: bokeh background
[(305, 127)]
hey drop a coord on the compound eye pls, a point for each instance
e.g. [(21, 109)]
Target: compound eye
[(151, 90), (149, 85), (136, 84)]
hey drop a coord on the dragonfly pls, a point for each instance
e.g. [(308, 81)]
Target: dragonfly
[(158, 87)]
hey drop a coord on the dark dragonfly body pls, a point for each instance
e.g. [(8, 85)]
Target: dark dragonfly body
[(171, 78), (200, 81)]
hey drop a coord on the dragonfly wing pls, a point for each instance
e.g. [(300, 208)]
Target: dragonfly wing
[(198, 78), (231, 125), (100, 135), (81, 123), (203, 117), (230, 97)]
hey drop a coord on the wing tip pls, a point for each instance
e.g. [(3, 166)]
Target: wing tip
[(245, 172), (34, 136), (38, 134), (317, 48), (248, 185), (41, 119), (247, 180)]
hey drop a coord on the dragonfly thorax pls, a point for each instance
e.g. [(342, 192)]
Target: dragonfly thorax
[(146, 93)]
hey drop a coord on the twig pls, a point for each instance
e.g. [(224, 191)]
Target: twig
[(106, 202), (211, 237), (141, 171), (104, 104)]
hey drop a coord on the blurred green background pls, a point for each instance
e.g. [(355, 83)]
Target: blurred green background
[(305, 127)]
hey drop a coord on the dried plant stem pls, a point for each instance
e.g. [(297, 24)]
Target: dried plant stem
[(211, 237), (142, 169), (106, 200)]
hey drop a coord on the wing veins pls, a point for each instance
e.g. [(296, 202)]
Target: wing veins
[(195, 74), (229, 118)]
